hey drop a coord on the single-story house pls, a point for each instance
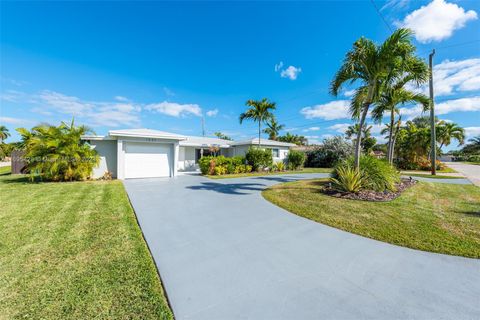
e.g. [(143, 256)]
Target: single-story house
[(146, 153)]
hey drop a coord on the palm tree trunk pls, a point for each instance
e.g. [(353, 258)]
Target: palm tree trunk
[(259, 132), (390, 137), (358, 142)]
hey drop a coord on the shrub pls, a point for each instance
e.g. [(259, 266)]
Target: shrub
[(58, 153), (259, 158), (327, 155), (295, 159), (204, 164), (347, 179), (280, 166), (219, 170), (421, 163), (377, 174)]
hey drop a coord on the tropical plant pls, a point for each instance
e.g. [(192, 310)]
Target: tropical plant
[(446, 131), (293, 138), (377, 174), (258, 111), (273, 128), (58, 153), (222, 136), (395, 94), (473, 146), (347, 178), (373, 66), (4, 133), (295, 159), (368, 142), (259, 158), (331, 151)]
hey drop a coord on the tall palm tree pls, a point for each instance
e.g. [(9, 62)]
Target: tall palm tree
[(259, 111), (4, 134), (473, 146), (372, 65), (446, 131), (273, 128)]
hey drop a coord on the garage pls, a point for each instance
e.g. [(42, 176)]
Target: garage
[(148, 160)]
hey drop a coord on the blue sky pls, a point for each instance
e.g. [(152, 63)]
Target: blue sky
[(164, 65)]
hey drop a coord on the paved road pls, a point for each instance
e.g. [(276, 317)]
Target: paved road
[(225, 253), (471, 171)]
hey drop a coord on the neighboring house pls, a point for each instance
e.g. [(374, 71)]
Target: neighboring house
[(145, 153)]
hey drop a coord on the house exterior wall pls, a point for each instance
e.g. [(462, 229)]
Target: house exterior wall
[(186, 159), (282, 151), (107, 150)]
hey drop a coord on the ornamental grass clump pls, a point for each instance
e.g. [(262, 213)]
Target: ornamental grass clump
[(375, 174)]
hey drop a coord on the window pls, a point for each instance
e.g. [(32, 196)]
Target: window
[(275, 153)]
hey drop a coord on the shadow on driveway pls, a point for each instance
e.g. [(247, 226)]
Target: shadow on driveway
[(229, 188)]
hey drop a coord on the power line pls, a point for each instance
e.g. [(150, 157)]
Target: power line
[(381, 16)]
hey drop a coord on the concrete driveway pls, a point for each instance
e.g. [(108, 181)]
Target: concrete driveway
[(225, 253), (471, 171)]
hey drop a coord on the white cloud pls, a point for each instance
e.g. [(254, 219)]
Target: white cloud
[(471, 132), (349, 93), (340, 127), (175, 109), (12, 96), (279, 66), (111, 113), (395, 4), (10, 120), (120, 98), (437, 20), (312, 137), (311, 129), (328, 111), (291, 72), (455, 105), (212, 113)]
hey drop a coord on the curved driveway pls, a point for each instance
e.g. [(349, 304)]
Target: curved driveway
[(225, 253)]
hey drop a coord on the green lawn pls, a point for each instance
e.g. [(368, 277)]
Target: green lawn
[(429, 216), (74, 251), (432, 177), (5, 170), (256, 174)]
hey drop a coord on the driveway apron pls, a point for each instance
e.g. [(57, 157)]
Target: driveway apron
[(224, 252)]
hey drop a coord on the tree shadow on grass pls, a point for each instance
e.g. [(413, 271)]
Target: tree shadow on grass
[(229, 188), (475, 214)]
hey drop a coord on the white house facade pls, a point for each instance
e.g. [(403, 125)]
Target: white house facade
[(146, 153)]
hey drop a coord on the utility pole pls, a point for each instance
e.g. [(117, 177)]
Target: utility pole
[(433, 157)]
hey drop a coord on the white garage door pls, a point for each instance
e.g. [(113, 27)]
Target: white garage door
[(147, 160)]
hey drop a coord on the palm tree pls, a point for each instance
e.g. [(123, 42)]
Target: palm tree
[(446, 131), (473, 146), (273, 129), (293, 138), (222, 136), (4, 134), (259, 111), (396, 95), (372, 65)]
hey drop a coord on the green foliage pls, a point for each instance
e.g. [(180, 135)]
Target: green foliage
[(293, 138), (259, 111), (222, 136), (273, 128), (329, 153), (347, 179), (278, 166), (222, 165), (295, 159), (58, 153), (259, 158), (377, 174)]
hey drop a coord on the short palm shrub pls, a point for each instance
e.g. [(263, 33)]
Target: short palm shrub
[(295, 159), (279, 166), (58, 153), (259, 158), (347, 179), (376, 174)]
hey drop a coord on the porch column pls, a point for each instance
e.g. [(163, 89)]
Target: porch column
[(176, 151), (120, 160)]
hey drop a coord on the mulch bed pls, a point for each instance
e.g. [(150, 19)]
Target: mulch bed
[(370, 195)]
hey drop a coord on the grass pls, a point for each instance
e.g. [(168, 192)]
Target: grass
[(431, 177), (471, 162), (74, 251), (256, 174), (5, 170), (429, 216)]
